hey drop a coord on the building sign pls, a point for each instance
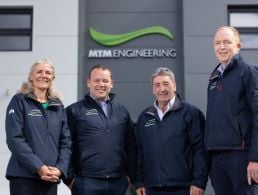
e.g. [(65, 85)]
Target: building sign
[(110, 40)]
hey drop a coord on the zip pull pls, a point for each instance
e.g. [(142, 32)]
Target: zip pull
[(219, 87), (243, 144)]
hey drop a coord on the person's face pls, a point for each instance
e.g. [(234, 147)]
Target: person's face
[(163, 88), (41, 76), (226, 45), (100, 84)]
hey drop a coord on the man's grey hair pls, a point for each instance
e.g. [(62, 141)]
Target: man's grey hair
[(163, 71)]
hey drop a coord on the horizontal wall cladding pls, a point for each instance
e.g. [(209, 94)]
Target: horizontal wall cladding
[(199, 55), (56, 18), (3, 181), (250, 55), (202, 17), (55, 37), (131, 6), (62, 51), (68, 87), (196, 90), (8, 87)]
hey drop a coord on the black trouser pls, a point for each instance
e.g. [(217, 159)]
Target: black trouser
[(96, 186), (24, 186), (228, 173), (168, 191)]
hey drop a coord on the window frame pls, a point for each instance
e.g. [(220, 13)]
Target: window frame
[(244, 30), (28, 32)]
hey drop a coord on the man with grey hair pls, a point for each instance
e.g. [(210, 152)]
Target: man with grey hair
[(171, 158)]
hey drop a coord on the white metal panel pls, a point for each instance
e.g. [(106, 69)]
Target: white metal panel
[(55, 36)]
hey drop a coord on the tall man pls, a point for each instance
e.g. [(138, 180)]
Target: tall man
[(171, 156), (231, 134), (103, 140)]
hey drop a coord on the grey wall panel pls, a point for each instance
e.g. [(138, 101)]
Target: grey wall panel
[(139, 99), (196, 90), (199, 55), (240, 2), (203, 17), (131, 74), (250, 55), (131, 6)]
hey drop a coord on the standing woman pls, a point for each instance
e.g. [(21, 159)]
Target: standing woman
[(37, 135)]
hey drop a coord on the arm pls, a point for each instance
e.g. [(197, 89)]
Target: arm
[(64, 147), (69, 179), (15, 138), (251, 86), (200, 160), (130, 148), (140, 178)]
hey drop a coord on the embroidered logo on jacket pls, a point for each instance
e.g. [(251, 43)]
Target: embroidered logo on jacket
[(92, 112), (150, 122), (213, 85), (35, 112), (11, 111)]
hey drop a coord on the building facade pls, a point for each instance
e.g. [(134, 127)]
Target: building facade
[(131, 37)]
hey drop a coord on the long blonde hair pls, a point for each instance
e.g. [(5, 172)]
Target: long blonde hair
[(27, 87)]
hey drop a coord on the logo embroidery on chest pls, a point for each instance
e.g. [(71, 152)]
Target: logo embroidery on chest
[(11, 111), (150, 122), (92, 112), (213, 85), (35, 112)]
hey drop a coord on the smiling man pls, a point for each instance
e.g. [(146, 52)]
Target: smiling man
[(103, 140), (171, 157), (231, 134)]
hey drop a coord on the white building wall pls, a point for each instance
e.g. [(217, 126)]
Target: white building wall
[(55, 37)]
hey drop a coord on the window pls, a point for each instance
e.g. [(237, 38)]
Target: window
[(15, 29), (245, 19)]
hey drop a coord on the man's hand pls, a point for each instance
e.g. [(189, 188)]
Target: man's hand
[(194, 190), (252, 172), (141, 191)]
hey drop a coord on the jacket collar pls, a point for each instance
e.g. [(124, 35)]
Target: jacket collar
[(51, 101), (176, 106), (232, 64), (87, 97)]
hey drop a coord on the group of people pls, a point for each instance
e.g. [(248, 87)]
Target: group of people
[(95, 148)]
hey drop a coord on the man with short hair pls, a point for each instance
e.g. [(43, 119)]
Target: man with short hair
[(103, 140), (171, 156), (231, 134)]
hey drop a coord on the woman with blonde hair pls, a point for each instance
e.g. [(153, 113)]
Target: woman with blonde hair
[(37, 134)]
